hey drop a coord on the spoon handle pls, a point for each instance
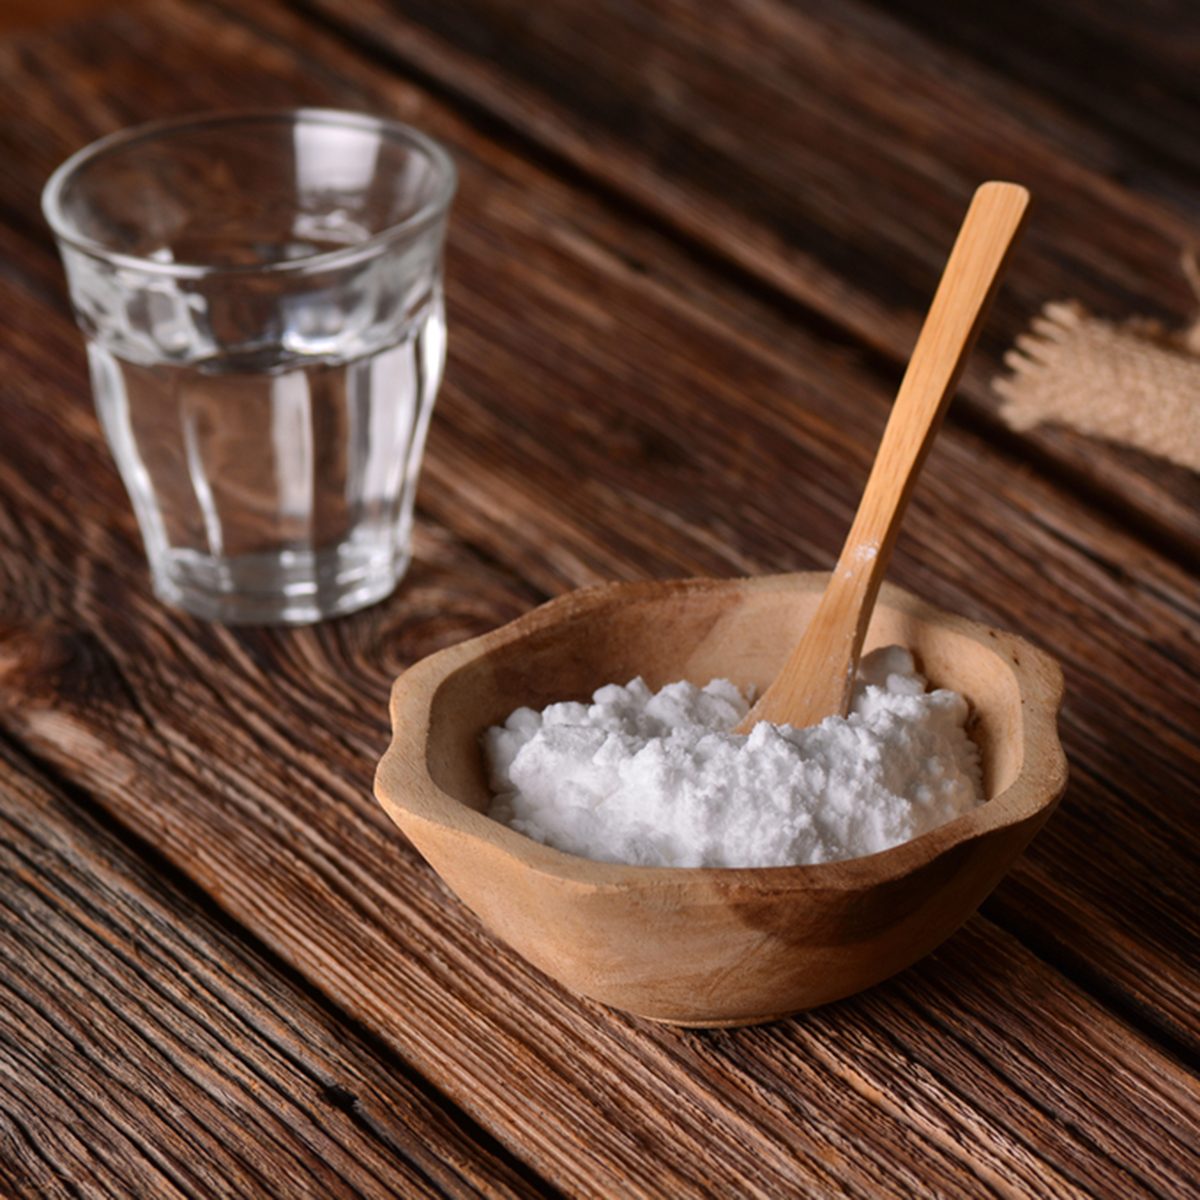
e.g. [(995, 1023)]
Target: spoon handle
[(818, 676)]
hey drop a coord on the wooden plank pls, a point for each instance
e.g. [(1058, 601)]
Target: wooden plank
[(980, 1064), (1118, 619), (146, 1050), (602, 536), (578, 442), (28, 14), (1134, 73), (829, 152), (557, 581)]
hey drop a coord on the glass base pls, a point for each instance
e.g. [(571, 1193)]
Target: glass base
[(288, 588)]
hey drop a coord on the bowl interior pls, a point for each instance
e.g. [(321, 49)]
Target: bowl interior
[(739, 630)]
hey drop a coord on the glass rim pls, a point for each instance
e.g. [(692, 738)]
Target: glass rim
[(428, 213)]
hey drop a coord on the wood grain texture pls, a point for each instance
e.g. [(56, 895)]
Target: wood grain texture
[(625, 425), (30, 14), (648, 380), (827, 150), (144, 1050), (1136, 79)]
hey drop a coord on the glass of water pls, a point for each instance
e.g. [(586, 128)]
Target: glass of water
[(261, 295)]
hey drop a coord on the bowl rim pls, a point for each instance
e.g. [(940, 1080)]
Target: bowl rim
[(407, 791)]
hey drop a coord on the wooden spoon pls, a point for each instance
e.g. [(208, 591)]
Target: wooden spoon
[(818, 676)]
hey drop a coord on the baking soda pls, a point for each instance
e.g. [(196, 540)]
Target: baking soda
[(659, 779)]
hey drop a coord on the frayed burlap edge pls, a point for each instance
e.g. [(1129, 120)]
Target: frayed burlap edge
[(1133, 382)]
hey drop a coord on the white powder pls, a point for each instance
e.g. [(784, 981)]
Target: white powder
[(657, 779)]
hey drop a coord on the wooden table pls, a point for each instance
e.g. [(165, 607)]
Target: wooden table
[(689, 256)]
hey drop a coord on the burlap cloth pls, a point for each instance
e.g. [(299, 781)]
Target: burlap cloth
[(1134, 382)]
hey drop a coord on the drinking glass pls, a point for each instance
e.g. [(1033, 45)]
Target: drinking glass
[(261, 296)]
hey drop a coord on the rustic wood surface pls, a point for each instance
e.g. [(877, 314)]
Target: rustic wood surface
[(151, 1047), (689, 255), (825, 151)]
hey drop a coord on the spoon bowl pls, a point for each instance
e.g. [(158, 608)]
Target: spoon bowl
[(713, 946)]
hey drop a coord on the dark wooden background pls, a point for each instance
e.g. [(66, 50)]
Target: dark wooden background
[(690, 253)]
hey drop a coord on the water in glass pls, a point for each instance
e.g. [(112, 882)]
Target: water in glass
[(287, 484), (261, 296)]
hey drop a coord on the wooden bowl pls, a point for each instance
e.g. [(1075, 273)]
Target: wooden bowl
[(713, 946)]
